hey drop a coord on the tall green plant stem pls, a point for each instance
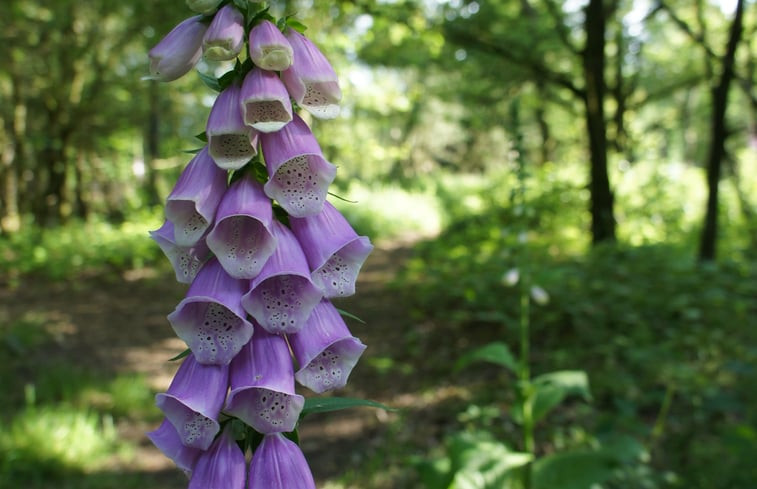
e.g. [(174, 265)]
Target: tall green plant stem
[(524, 373)]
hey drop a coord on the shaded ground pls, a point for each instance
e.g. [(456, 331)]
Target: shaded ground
[(113, 326)]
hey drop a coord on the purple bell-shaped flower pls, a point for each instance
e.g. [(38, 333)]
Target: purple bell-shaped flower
[(278, 463), (325, 350), (334, 250), (193, 401), (222, 466), (299, 175), (210, 318), (192, 203), (241, 238), (282, 295), (262, 385)]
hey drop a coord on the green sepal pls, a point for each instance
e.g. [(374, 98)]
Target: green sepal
[(202, 137), (210, 81), (496, 352), (328, 404), (180, 355), (192, 151), (280, 214), (241, 5), (350, 315), (261, 14), (296, 25)]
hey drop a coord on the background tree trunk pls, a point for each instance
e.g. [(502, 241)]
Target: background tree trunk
[(718, 135), (601, 206)]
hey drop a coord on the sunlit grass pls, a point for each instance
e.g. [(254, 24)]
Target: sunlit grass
[(55, 439), (66, 251)]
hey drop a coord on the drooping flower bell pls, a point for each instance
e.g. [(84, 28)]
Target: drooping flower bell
[(231, 143), (325, 350), (311, 80), (168, 441), (210, 318), (269, 49), (299, 175), (241, 238), (224, 38), (192, 203), (193, 401), (278, 463), (262, 385), (178, 52), (282, 295), (222, 466), (265, 101), (185, 260), (334, 250)]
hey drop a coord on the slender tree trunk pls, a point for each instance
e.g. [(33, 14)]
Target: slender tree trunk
[(12, 157), (708, 239), (601, 206)]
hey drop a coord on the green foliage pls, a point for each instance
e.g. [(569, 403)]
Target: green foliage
[(641, 321), (79, 248), (46, 442)]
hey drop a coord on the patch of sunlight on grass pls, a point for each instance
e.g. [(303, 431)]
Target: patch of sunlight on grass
[(390, 212), (56, 436), (333, 485)]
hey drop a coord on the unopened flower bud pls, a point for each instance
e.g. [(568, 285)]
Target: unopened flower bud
[(269, 49), (224, 38), (178, 52)]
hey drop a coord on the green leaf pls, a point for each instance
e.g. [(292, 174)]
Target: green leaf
[(478, 461), (350, 315), (241, 5), (496, 352), (327, 404), (180, 355), (210, 81), (296, 25), (573, 470), (552, 388), (202, 137)]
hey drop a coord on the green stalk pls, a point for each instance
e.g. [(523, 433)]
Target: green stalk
[(524, 374)]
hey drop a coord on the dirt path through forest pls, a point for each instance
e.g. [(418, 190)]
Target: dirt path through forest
[(118, 326)]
